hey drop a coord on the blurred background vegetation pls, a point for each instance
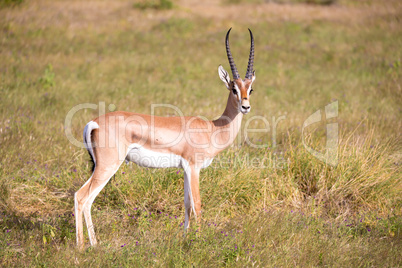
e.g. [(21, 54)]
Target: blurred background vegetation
[(272, 206)]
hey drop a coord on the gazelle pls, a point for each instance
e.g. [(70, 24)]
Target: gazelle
[(190, 143)]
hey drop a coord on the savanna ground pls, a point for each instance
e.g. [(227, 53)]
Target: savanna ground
[(271, 206)]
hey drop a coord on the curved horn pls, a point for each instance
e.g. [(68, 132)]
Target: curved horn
[(235, 73), (249, 73)]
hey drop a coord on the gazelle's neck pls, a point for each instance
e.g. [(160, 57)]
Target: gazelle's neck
[(228, 124), (230, 116)]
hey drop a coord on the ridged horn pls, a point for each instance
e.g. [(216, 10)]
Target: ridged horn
[(235, 73), (249, 73)]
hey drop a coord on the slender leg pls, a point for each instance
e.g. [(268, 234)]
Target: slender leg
[(187, 198), (88, 219), (78, 216), (192, 199), (195, 190), (87, 213), (84, 198)]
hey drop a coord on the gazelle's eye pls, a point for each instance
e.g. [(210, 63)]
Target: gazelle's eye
[(251, 91), (234, 91)]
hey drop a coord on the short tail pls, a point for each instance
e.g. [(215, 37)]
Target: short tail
[(88, 142)]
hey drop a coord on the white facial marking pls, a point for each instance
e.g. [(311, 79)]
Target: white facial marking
[(238, 91), (248, 91)]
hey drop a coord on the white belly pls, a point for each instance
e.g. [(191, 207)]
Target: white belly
[(148, 158)]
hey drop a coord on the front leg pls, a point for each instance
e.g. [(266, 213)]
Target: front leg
[(192, 198)]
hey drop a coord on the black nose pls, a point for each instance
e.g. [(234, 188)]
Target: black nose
[(246, 107)]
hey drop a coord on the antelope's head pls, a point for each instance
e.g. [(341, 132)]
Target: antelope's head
[(240, 89)]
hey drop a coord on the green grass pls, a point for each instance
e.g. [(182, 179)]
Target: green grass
[(10, 3), (159, 5), (272, 206)]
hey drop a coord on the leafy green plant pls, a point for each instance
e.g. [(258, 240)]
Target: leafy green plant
[(47, 79)]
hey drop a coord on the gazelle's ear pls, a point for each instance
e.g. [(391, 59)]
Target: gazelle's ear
[(253, 78), (224, 76)]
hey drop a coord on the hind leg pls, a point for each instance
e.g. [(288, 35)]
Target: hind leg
[(84, 198), (88, 217)]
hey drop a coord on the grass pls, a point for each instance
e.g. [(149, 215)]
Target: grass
[(10, 3), (271, 206), (160, 5)]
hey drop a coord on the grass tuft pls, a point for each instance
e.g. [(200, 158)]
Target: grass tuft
[(158, 5)]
